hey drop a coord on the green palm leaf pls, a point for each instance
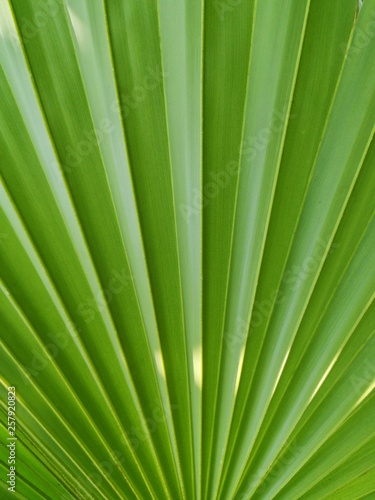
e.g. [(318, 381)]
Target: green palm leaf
[(187, 249)]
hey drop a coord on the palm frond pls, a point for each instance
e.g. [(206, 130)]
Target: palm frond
[(186, 248)]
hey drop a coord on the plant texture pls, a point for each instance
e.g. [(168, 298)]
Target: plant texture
[(187, 243)]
